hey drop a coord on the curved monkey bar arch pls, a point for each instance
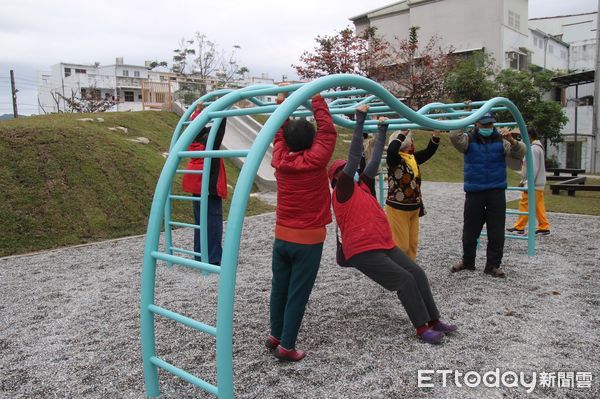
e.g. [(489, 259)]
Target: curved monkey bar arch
[(218, 105)]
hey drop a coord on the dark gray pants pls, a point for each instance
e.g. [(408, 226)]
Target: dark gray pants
[(395, 271), (484, 207)]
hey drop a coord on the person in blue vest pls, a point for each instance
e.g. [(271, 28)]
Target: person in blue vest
[(487, 154)]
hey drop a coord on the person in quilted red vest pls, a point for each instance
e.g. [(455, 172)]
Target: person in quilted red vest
[(367, 241), (300, 157), (217, 190)]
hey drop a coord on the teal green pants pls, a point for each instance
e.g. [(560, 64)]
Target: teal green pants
[(295, 268)]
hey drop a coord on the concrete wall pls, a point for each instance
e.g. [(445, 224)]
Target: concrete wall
[(579, 31), (547, 52)]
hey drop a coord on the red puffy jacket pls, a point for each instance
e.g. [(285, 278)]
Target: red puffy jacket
[(303, 196), (193, 183)]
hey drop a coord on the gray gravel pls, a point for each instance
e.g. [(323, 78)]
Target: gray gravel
[(69, 318)]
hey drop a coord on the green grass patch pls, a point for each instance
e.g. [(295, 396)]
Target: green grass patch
[(584, 202), (66, 181)]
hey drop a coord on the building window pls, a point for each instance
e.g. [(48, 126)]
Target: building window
[(517, 21), (541, 44), (139, 96), (136, 74), (511, 18), (67, 72), (563, 54), (535, 41), (79, 70), (129, 96), (125, 73), (550, 49)]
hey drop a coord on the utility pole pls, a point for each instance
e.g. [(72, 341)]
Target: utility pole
[(593, 164), (14, 92)]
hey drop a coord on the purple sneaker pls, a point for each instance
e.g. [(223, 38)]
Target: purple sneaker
[(444, 327), (431, 336)]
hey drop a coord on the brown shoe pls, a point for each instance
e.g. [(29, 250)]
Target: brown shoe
[(462, 266), (494, 271)]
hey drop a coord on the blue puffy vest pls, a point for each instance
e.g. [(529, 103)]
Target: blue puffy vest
[(485, 165)]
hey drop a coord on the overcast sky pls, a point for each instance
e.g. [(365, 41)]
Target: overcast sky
[(35, 34)]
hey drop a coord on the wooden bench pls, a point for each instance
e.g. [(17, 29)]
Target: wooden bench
[(573, 185), (572, 171)]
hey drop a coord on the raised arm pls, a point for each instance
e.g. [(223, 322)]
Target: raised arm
[(345, 183), (279, 146), (460, 140), (514, 150), (220, 134), (423, 156), (319, 154), (371, 170), (393, 157)]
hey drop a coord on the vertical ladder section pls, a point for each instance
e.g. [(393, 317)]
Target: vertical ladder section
[(152, 362)]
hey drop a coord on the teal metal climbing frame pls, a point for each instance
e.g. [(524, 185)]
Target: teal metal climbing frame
[(218, 105)]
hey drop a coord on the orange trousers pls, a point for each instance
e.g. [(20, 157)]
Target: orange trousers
[(540, 211)]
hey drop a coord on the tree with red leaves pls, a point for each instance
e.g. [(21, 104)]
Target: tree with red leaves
[(418, 75), (343, 53)]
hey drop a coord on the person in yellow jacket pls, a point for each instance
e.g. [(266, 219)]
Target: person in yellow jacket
[(404, 203), (539, 177)]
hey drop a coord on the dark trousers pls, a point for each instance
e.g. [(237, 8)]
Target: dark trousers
[(295, 268), (395, 271), (214, 229), (487, 207)]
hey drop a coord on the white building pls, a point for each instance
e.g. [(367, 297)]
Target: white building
[(498, 27), (502, 29), (580, 32), (120, 82)]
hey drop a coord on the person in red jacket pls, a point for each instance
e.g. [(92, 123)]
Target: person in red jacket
[(217, 191), (367, 241), (300, 160)]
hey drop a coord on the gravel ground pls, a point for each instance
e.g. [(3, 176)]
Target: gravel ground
[(69, 319)]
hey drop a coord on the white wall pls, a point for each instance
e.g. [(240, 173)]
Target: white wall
[(573, 28), (463, 24), (579, 31), (391, 26), (547, 52), (583, 55)]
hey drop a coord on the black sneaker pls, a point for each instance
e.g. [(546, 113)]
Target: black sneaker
[(515, 231), (540, 232)]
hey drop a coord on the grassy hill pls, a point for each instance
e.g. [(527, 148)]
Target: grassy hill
[(65, 181)]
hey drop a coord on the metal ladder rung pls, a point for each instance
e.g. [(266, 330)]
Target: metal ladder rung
[(200, 383), (189, 172), (194, 264), (214, 154), (516, 188), (518, 237), (185, 251), (184, 197), (513, 212), (196, 325), (180, 224)]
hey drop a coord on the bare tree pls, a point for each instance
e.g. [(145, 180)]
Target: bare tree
[(88, 101), (201, 58)]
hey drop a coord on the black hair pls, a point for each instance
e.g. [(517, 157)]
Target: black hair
[(201, 137), (532, 133), (298, 134)]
